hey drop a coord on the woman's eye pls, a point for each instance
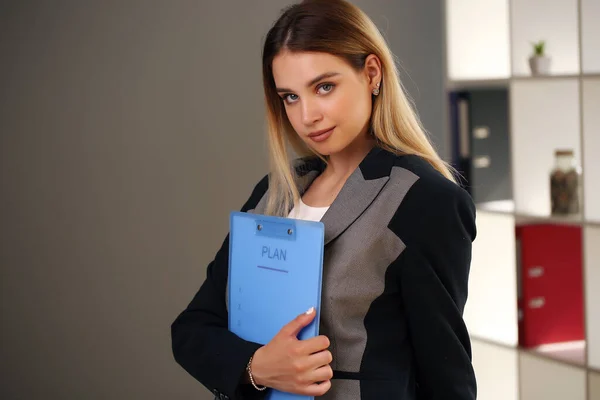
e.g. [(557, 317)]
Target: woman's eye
[(325, 88), (290, 98)]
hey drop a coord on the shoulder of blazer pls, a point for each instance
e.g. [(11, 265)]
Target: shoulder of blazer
[(257, 193), (432, 204)]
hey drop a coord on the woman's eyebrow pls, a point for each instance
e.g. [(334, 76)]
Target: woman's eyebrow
[(312, 82)]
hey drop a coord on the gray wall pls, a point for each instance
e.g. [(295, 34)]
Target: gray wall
[(415, 31), (128, 131)]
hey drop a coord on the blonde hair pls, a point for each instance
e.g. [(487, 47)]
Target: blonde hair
[(341, 29)]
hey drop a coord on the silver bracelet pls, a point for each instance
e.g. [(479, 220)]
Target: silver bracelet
[(251, 377)]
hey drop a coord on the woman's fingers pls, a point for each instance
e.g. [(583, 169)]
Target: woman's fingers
[(318, 389), (315, 344)]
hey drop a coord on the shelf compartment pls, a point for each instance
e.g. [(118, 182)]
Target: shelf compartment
[(537, 131), (491, 310), (477, 37), (555, 22), (496, 369)]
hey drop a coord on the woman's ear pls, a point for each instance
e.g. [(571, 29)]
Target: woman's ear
[(373, 71)]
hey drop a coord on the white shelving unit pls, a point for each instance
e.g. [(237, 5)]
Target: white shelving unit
[(491, 312), (594, 385), (488, 44), (591, 140), (549, 380), (592, 283), (590, 38), (497, 371)]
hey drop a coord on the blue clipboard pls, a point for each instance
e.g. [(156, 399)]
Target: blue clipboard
[(275, 274)]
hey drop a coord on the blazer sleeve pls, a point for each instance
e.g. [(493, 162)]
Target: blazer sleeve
[(201, 341), (434, 284)]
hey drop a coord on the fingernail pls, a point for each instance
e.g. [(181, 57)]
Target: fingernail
[(310, 311)]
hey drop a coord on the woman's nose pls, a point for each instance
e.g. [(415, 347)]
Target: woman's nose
[(311, 112)]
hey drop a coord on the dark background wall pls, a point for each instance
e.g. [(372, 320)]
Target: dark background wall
[(128, 131)]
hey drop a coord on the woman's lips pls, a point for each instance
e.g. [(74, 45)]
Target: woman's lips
[(321, 135)]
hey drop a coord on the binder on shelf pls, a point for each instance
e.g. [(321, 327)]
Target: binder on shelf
[(460, 138), (480, 142), (550, 284)]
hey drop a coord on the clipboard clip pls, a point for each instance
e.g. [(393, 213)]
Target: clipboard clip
[(276, 230)]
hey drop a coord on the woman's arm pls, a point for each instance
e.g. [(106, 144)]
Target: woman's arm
[(434, 284), (201, 341)]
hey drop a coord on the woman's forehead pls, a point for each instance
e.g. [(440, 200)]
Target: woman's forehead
[(299, 68)]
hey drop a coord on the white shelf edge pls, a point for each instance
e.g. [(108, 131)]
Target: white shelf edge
[(557, 359), (536, 353), (477, 83), (545, 77), (525, 218)]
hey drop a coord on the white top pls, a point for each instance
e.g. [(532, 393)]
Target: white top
[(302, 211)]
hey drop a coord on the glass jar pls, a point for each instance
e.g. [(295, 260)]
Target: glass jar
[(565, 183)]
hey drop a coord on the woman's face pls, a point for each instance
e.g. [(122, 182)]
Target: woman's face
[(327, 102)]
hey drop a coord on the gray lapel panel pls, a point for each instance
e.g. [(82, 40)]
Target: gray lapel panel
[(354, 270), (303, 182), (356, 195)]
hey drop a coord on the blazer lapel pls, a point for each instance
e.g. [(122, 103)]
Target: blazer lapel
[(261, 207), (303, 181), (356, 195), (359, 191)]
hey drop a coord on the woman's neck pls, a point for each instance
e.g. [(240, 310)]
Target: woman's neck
[(342, 164)]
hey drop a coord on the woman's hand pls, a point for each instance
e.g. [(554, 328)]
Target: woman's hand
[(294, 366)]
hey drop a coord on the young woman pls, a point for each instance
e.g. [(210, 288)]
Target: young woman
[(398, 230)]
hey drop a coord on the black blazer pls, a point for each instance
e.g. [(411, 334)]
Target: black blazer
[(397, 256)]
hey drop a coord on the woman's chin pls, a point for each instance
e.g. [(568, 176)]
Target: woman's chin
[(325, 149)]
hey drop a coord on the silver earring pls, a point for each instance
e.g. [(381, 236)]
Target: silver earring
[(376, 90)]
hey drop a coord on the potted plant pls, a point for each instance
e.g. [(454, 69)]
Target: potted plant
[(539, 62)]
